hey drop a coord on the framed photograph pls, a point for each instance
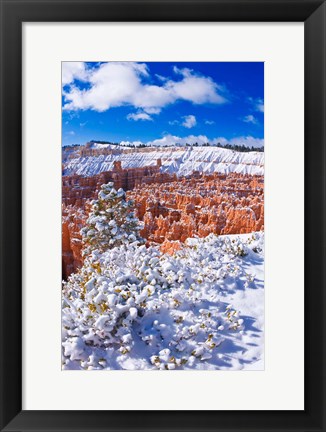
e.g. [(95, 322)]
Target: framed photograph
[(163, 215)]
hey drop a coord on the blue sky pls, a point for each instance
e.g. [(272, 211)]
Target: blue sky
[(163, 102)]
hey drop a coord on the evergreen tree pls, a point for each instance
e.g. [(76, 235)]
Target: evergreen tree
[(111, 222)]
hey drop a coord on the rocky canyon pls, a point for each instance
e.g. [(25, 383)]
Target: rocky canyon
[(172, 208)]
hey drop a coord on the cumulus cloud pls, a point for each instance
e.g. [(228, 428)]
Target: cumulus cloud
[(189, 121), (250, 119), (169, 140), (73, 70), (117, 83), (139, 116), (172, 140), (247, 141), (196, 88), (209, 122)]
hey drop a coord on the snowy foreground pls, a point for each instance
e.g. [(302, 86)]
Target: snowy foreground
[(135, 308)]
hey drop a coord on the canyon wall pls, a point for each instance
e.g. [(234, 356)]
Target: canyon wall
[(172, 209), (182, 161), (77, 189), (219, 204)]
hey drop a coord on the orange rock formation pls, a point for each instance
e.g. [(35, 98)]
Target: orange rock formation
[(220, 204), (77, 189), (172, 209)]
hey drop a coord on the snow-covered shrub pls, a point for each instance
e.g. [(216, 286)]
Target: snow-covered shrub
[(111, 221), (257, 242), (132, 307)]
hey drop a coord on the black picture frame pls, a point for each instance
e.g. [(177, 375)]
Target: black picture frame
[(13, 14)]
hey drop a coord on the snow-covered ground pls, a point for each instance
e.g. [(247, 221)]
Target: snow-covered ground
[(182, 161), (133, 307)]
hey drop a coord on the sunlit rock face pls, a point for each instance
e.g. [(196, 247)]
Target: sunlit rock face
[(73, 219), (171, 208), (76, 189), (198, 206)]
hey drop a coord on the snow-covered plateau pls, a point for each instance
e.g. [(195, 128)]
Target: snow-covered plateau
[(180, 160), (132, 307)]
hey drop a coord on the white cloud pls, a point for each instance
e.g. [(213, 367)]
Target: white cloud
[(250, 119), (171, 140), (111, 84), (139, 116), (209, 122), (189, 121), (257, 103), (184, 71), (116, 84), (168, 140), (72, 133), (196, 88), (152, 110), (219, 140), (173, 122), (161, 77), (73, 70), (247, 141)]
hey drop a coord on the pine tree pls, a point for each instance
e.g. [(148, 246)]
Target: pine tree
[(111, 222)]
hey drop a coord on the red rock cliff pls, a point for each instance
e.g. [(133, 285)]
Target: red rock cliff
[(172, 209)]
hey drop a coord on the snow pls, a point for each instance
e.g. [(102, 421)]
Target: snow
[(101, 229), (134, 308), (102, 145), (182, 161)]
